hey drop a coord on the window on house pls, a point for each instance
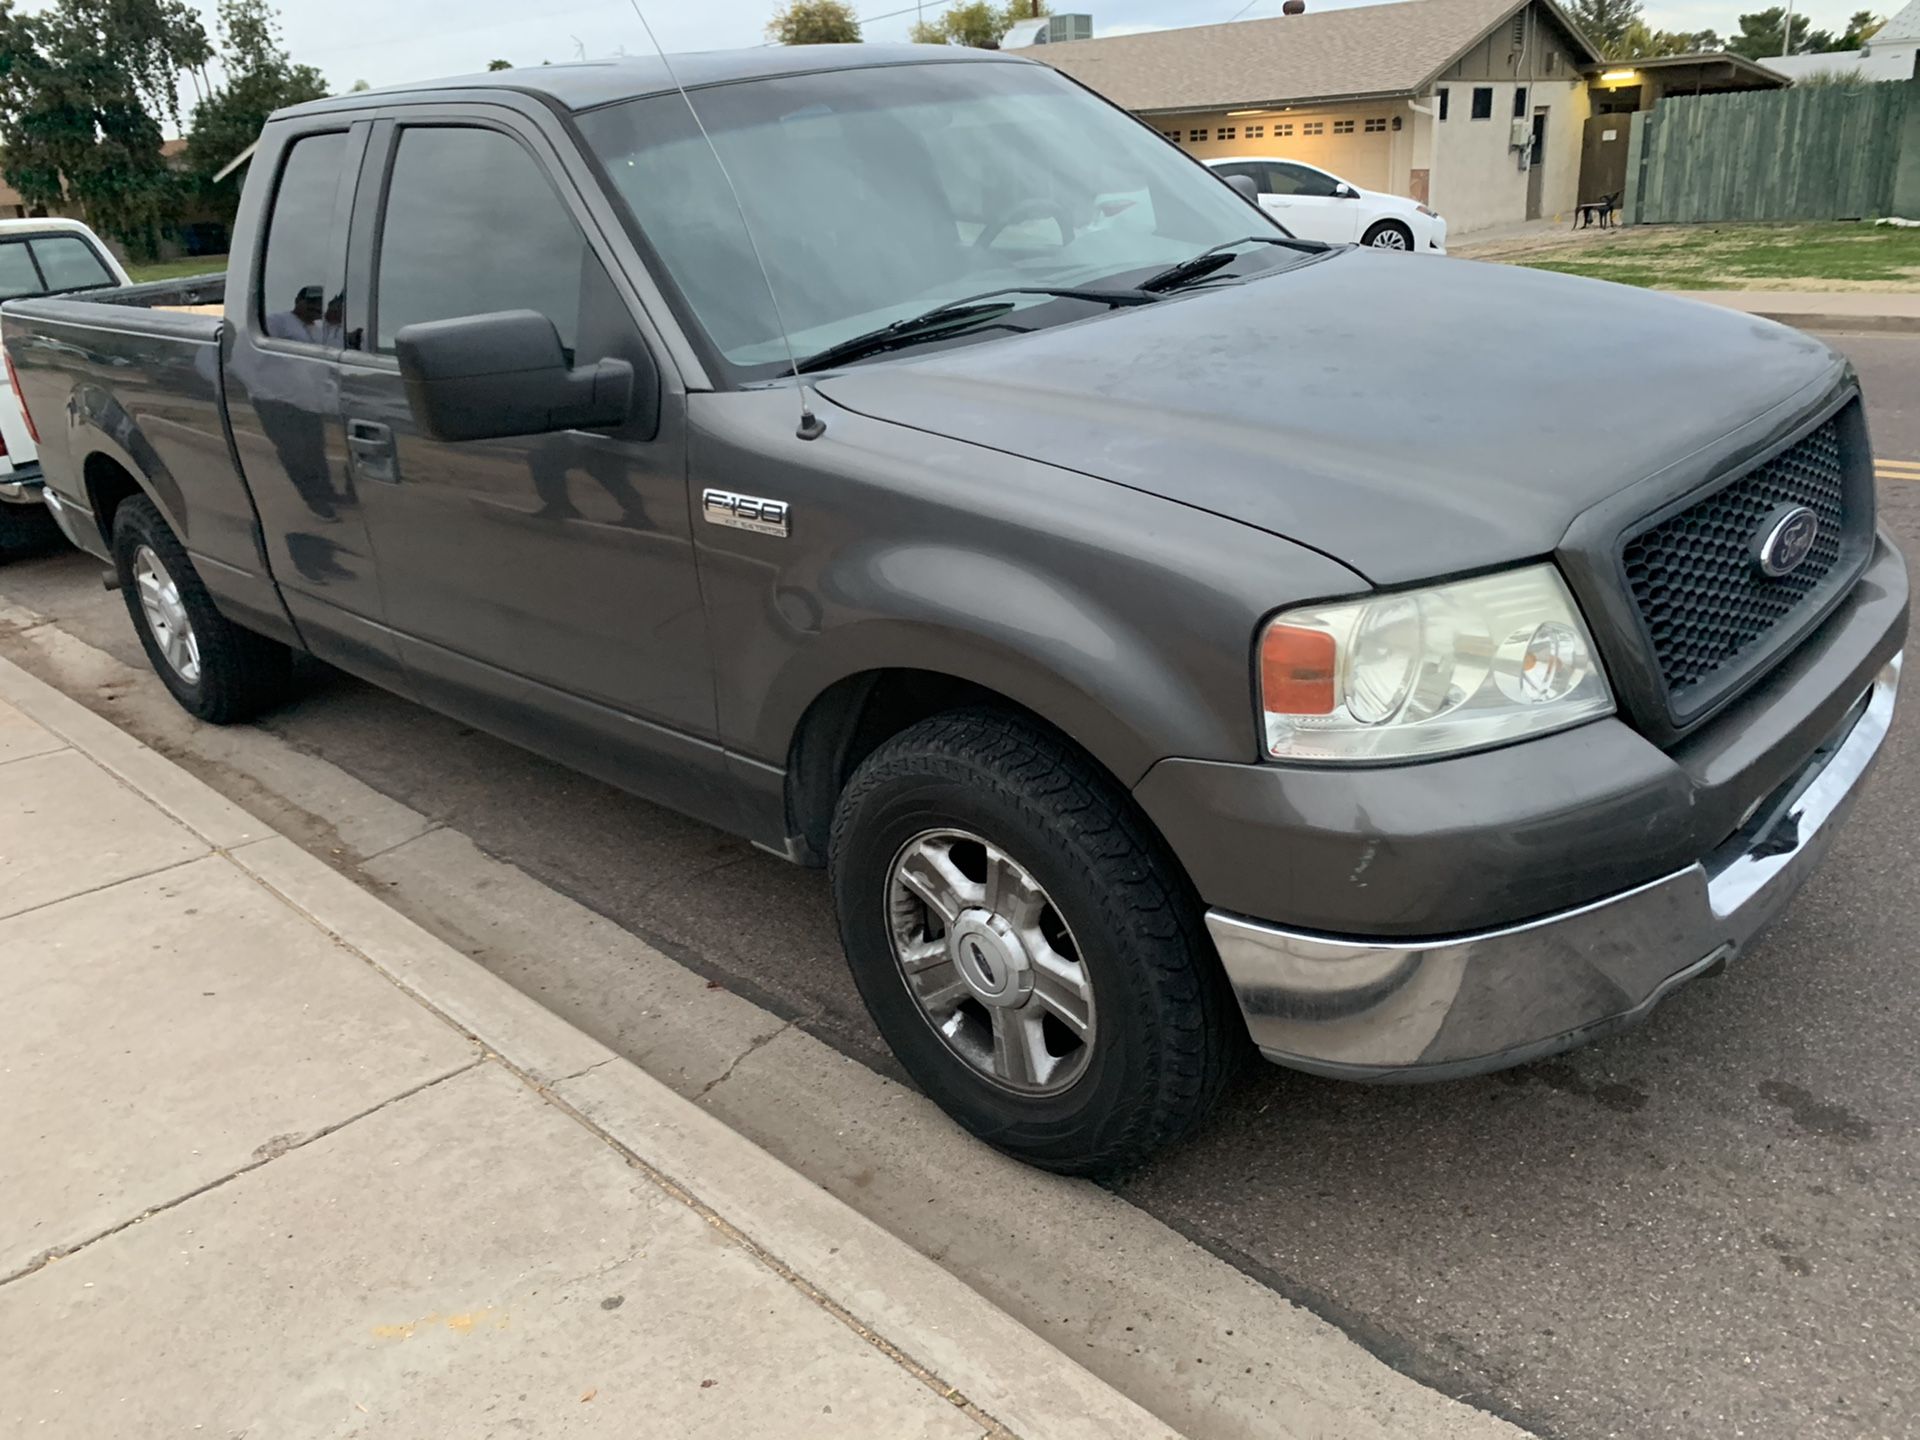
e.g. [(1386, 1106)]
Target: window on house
[(1282, 131), (1225, 132), (1483, 102), (1196, 135), (1255, 132), (1173, 135), (1314, 127), (1343, 127), (1442, 96), (1519, 102), (1377, 125)]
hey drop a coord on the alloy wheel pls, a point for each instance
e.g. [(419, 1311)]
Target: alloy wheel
[(991, 963), (166, 614)]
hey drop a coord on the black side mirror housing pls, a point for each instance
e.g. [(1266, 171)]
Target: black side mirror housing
[(482, 377), (1245, 185)]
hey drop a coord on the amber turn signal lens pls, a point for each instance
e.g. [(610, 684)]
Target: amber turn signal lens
[(1296, 671)]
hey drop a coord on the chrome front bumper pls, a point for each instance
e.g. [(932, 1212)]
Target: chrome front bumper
[(1463, 1004)]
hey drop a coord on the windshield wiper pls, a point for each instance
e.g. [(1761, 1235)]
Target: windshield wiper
[(954, 317), (1217, 257)]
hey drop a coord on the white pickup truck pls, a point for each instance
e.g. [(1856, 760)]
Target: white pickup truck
[(38, 257)]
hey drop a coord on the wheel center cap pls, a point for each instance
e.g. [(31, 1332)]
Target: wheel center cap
[(990, 958)]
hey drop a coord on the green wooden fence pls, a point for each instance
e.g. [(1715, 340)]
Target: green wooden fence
[(1822, 153)]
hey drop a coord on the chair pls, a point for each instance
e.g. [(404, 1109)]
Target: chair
[(1588, 211)]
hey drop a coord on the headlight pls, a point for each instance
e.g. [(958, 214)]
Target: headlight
[(1429, 672)]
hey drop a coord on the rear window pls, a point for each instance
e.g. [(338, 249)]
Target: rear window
[(50, 265), (299, 299)]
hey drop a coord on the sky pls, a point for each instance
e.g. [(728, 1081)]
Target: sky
[(389, 42)]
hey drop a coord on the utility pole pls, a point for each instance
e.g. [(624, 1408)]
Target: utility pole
[(1786, 38)]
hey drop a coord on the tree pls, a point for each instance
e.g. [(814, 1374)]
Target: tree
[(1607, 23), (1645, 43), (813, 22), (1762, 35), (978, 23), (499, 64), (82, 86), (260, 79)]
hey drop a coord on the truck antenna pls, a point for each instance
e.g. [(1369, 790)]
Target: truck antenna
[(812, 427)]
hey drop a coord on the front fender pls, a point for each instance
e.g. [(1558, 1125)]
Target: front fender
[(1123, 619)]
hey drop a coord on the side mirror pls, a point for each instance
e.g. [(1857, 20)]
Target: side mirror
[(1248, 189), (480, 377), (1344, 191)]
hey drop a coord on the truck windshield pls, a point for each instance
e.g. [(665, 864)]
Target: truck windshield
[(879, 193)]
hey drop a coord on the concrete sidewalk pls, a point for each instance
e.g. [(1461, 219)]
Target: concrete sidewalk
[(275, 1161)]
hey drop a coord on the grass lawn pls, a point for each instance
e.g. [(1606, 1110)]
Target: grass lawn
[(172, 269), (1841, 256)]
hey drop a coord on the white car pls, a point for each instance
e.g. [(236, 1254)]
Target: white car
[(38, 257), (1318, 206)]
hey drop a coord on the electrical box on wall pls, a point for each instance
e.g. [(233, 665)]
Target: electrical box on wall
[(1522, 136)]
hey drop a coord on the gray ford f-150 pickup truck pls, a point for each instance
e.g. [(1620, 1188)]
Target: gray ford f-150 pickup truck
[(1167, 631)]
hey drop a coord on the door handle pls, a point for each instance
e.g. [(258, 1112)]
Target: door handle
[(370, 444)]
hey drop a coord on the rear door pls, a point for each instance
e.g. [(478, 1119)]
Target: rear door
[(542, 586), (283, 341)]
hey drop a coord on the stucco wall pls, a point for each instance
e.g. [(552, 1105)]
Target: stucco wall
[(1477, 179)]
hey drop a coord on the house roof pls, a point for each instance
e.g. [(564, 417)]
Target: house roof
[(1903, 26), (1738, 64), (1367, 50)]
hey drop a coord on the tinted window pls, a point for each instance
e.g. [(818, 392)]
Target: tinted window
[(17, 275), (1300, 180), (1520, 102), (296, 301), (69, 263), (1483, 102), (1443, 102), (473, 226)]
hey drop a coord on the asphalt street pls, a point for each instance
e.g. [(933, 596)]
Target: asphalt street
[(1710, 1226)]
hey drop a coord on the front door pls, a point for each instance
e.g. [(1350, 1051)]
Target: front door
[(541, 586), (1537, 165), (1315, 208)]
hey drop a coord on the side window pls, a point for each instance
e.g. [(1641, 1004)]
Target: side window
[(1307, 182), (69, 263), (1443, 93), (474, 226), (300, 264), (1519, 102), (1483, 102), (17, 275)]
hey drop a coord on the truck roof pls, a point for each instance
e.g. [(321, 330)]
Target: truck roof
[(583, 85)]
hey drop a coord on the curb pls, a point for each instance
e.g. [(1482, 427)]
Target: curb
[(895, 1296), (1844, 324)]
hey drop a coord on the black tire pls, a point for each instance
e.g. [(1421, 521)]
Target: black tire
[(240, 673), (1167, 1034), (1379, 230), (26, 530)]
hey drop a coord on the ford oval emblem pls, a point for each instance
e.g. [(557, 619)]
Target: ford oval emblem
[(1785, 539)]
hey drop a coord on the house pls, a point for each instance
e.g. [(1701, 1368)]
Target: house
[(1892, 54), (1476, 107)]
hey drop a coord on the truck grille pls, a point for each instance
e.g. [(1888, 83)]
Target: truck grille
[(1709, 610)]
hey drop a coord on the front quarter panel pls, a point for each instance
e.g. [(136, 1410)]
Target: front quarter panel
[(1125, 620)]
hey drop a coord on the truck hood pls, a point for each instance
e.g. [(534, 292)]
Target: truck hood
[(1408, 416)]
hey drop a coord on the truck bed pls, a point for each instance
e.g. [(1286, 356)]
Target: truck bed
[(127, 382)]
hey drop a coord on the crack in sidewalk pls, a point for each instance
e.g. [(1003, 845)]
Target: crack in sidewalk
[(264, 1154)]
